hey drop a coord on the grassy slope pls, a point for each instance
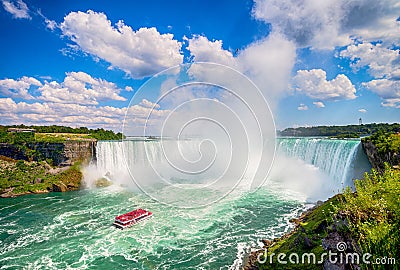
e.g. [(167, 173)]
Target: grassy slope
[(374, 213), (307, 237)]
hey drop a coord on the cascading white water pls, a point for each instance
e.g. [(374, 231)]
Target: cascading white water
[(151, 159), (113, 156), (335, 163), (342, 160)]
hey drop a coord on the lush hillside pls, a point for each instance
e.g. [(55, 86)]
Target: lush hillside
[(373, 214), (383, 147), (340, 131), (22, 177)]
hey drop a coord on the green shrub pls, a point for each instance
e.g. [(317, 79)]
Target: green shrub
[(373, 212)]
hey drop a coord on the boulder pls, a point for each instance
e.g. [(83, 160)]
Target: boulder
[(102, 182), (59, 187)]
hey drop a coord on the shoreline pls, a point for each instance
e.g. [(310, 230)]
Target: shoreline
[(14, 195), (310, 234)]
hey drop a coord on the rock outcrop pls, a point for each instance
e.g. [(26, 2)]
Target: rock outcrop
[(59, 187), (377, 159), (372, 153), (62, 154), (12, 151)]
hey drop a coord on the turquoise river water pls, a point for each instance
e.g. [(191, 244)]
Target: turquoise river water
[(73, 230)]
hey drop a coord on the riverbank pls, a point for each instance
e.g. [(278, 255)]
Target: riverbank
[(19, 177), (311, 228), (357, 223)]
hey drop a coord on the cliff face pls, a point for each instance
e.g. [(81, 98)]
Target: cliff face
[(67, 153), (80, 150), (11, 151), (374, 158), (62, 154), (377, 159)]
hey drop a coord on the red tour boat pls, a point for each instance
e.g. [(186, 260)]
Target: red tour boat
[(131, 218)]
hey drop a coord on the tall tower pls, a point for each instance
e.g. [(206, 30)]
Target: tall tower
[(360, 121)]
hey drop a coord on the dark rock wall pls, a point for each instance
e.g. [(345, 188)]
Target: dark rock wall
[(377, 159), (85, 151), (11, 151), (372, 153), (62, 154)]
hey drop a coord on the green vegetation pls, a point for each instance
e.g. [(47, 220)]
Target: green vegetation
[(61, 137), (347, 136), (29, 145), (387, 147), (369, 218), (311, 228), (21, 177), (71, 178), (349, 131), (48, 134), (373, 212), (17, 138)]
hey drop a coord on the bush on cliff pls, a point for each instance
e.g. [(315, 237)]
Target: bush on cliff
[(387, 146), (71, 178), (373, 212)]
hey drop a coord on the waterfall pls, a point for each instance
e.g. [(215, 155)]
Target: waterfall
[(342, 160), (150, 159), (111, 156), (317, 167)]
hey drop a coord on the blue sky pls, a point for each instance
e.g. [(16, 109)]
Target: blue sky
[(80, 62)]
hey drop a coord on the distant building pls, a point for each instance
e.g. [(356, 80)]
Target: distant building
[(32, 130)]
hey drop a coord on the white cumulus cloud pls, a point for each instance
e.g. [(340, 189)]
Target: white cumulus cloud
[(319, 104), (204, 50), (80, 88), (362, 110), (267, 62), (51, 113), (60, 114), (383, 64), (302, 107), (329, 23), (314, 84), (139, 53), (381, 61), (388, 90), (18, 9), (148, 104), (77, 87), (18, 88)]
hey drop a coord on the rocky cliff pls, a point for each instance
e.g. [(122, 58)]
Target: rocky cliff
[(12, 151), (67, 153), (374, 158), (62, 154), (378, 158)]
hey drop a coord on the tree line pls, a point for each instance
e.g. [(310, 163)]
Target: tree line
[(350, 131), (26, 137)]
